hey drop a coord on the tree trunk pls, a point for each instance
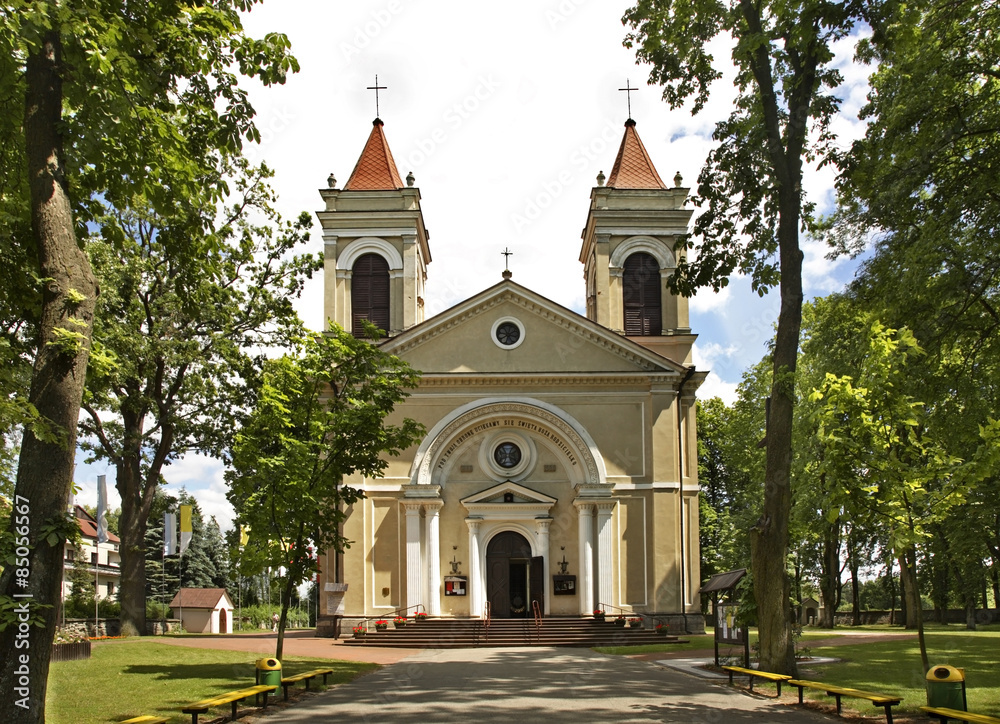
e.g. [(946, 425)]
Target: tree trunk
[(854, 564), (911, 594), (286, 599), (769, 537), (830, 575), (137, 497), (45, 467)]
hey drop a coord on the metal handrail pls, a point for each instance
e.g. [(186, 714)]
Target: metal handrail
[(536, 609), (624, 613), (487, 617), (368, 619)]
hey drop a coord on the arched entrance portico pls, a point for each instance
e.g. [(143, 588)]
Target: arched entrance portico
[(514, 578)]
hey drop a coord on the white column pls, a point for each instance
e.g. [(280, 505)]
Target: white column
[(476, 586), (586, 540), (604, 588), (414, 580), (542, 532), (433, 600)]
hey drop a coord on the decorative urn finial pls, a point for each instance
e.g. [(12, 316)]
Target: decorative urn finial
[(410, 178), (600, 178), (678, 179), (331, 181)]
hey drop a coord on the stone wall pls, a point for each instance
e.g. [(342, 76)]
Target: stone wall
[(113, 627)]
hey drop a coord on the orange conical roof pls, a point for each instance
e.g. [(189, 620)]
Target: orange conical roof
[(633, 168), (376, 169)]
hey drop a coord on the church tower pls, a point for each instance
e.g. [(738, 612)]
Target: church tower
[(628, 252), (375, 244)]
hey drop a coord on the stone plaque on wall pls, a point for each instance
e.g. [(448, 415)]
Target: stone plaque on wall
[(335, 593)]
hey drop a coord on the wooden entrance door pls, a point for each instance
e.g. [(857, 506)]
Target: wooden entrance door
[(508, 589), (223, 626)]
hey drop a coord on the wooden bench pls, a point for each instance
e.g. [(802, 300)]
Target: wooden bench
[(755, 674), (146, 720), (886, 702), (306, 677), (944, 714), (233, 698)]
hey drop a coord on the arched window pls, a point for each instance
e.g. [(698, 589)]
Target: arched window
[(370, 293), (641, 296)]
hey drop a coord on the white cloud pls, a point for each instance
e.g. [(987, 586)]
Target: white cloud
[(707, 300), (714, 386)]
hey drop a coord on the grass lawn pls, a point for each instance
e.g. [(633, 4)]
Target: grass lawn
[(127, 678), (695, 642), (894, 667), (891, 667)]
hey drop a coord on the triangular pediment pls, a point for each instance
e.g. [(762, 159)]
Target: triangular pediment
[(553, 340), (498, 494)]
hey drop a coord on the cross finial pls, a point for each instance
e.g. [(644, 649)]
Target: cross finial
[(377, 88), (506, 253), (628, 93)]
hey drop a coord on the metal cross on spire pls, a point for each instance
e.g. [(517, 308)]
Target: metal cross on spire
[(377, 88), (628, 92), (506, 254)]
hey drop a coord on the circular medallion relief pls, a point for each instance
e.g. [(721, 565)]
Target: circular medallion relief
[(507, 455)]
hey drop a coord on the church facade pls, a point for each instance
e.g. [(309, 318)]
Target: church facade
[(559, 468)]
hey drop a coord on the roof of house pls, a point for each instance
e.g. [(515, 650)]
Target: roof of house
[(88, 525), (633, 168), (200, 598), (376, 169)]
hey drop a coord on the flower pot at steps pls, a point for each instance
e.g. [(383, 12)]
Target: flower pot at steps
[(381, 627)]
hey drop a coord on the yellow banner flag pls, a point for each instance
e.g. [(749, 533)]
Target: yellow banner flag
[(186, 530)]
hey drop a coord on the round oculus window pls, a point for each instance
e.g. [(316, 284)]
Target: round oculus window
[(507, 455), (508, 333)]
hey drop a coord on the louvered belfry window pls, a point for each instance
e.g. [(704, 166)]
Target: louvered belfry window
[(641, 296), (370, 293)]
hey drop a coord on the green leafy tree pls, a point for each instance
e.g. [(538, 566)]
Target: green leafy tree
[(177, 335), (750, 193), (320, 416), (917, 192), (105, 101), (906, 475)]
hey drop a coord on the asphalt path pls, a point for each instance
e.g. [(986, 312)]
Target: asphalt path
[(534, 685)]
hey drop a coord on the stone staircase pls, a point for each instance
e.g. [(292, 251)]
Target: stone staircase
[(473, 633)]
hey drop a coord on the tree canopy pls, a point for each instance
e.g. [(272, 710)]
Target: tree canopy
[(103, 102), (322, 413)]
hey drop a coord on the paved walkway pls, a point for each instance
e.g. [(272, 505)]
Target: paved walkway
[(533, 685)]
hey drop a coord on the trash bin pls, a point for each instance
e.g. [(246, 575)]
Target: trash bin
[(946, 687), (269, 672)]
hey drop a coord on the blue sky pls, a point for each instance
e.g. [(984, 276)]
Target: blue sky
[(505, 113)]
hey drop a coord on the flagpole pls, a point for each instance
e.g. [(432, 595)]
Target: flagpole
[(102, 537)]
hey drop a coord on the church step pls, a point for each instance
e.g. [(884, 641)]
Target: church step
[(468, 633)]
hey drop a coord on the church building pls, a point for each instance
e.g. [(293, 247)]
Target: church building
[(559, 469)]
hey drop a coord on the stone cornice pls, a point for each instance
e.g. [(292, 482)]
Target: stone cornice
[(660, 380)]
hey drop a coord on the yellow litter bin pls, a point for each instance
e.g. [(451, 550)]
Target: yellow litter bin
[(269, 672), (946, 687)]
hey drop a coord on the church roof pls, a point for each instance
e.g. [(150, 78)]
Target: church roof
[(376, 169), (633, 168)]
